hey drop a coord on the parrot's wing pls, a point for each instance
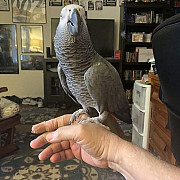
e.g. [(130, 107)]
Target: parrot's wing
[(64, 84), (105, 87)]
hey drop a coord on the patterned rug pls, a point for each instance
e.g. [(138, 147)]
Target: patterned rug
[(23, 164), (33, 114)]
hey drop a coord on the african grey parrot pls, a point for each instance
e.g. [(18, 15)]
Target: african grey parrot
[(85, 76)]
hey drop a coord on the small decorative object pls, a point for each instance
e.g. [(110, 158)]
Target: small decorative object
[(25, 11), (8, 50), (109, 2), (32, 62), (55, 2), (32, 39), (117, 54), (147, 37), (4, 5)]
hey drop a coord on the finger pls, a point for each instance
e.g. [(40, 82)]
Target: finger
[(64, 133), (54, 148), (52, 124), (39, 141), (61, 156)]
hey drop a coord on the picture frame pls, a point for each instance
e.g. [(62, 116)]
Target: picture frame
[(32, 39), (55, 2), (8, 49), (140, 19), (4, 5), (75, 2), (109, 2), (25, 11), (67, 2), (90, 5), (32, 62), (98, 5), (137, 37)]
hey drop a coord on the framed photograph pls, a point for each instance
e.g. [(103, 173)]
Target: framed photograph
[(8, 50), (75, 2), (55, 2), (4, 5), (140, 19), (137, 37), (32, 62), (32, 39), (25, 11), (67, 2), (109, 2), (99, 5), (90, 5)]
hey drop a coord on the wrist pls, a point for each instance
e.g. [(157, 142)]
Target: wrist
[(115, 148)]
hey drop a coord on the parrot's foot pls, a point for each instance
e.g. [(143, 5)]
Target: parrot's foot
[(75, 116), (96, 120)]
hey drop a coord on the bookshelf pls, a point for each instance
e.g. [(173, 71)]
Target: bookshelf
[(138, 20)]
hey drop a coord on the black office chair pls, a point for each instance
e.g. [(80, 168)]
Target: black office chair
[(166, 47)]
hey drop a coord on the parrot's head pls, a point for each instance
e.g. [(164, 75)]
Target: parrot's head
[(72, 19), (72, 33)]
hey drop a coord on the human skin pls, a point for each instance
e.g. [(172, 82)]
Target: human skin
[(99, 147)]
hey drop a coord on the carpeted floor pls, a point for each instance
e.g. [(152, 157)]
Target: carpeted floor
[(23, 164)]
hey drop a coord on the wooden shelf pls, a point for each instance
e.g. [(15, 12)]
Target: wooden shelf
[(141, 44), (147, 5), (151, 25), (53, 59), (136, 65)]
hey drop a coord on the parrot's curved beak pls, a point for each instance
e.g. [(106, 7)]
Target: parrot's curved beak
[(74, 23)]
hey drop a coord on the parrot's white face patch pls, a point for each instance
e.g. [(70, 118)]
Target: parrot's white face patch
[(67, 12)]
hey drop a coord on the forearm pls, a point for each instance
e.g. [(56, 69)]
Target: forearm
[(136, 163)]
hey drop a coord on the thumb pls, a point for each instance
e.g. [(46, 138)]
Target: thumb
[(63, 133)]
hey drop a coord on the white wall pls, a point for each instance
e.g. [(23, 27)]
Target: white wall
[(29, 83)]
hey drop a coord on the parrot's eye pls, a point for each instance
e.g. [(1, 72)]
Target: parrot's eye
[(69, 10)]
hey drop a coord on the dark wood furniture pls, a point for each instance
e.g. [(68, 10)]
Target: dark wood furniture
[(53, 92), (7, 128), (160, 137), (156, 12)]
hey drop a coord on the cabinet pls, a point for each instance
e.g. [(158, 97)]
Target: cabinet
[(159, 137), (140, 114), (53, 92), (137, 23)]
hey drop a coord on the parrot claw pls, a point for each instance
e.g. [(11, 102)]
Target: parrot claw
[(75, 116), (96, 120)]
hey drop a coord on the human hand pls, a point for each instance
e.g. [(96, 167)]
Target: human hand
[(88, 142)]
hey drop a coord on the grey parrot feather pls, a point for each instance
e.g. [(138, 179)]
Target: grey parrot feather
[(105, 87), (62, 78), (86, 76)]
